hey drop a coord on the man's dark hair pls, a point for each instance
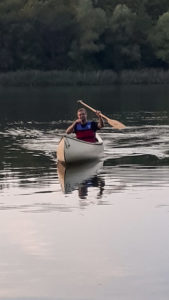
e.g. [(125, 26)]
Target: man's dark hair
[(81, 109)]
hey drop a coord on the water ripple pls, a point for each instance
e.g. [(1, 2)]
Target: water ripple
[(135, 157)]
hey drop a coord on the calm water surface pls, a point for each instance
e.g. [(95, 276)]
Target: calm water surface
[(94, 231)]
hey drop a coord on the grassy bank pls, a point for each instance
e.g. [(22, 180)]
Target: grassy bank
[(59, 78)]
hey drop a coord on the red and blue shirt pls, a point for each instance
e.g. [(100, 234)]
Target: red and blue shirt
[(86, 132)]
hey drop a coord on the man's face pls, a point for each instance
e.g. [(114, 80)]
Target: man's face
[(82, 115)]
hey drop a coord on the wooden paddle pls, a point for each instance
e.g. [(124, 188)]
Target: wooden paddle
[(113, 123)]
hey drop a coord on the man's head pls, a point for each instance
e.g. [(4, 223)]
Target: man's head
[(82, 115)]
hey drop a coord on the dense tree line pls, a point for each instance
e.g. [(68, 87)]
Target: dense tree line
[(83, 34)]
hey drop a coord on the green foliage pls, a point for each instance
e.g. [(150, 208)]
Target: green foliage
[(83, 34), (107, 5), (91, 24), (122, 21), (156, 8), (120, 41), (71, 78), (159, 38)]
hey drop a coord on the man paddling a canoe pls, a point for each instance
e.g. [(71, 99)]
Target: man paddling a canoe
[(85, 130)]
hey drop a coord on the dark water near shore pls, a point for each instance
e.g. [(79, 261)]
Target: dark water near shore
[(96, 231)]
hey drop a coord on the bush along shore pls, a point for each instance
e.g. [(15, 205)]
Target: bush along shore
[(69, 78)]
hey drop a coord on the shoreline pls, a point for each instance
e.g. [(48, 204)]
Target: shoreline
[(36, 78)]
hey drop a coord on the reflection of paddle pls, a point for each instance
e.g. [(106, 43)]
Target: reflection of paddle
[(113, 123)]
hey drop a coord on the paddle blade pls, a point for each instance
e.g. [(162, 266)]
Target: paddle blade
[(115, 124)]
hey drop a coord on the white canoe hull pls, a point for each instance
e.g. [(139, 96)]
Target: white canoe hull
[(71, 150)]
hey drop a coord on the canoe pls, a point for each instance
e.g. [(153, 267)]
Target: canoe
[(72, 150), (72, 176)]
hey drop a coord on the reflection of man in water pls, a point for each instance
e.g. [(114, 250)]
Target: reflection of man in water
[(93, 182), (85, 130)]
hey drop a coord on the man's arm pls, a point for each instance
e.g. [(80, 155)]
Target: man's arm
[(70, 129), (100, 124)]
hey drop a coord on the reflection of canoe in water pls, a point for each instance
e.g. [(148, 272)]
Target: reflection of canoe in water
[(71, 177), (71, 150)]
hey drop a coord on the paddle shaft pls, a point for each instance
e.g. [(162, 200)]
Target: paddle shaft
[(92, 109), (113, 123)]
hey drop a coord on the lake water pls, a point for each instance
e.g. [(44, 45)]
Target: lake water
[(95, 232)]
